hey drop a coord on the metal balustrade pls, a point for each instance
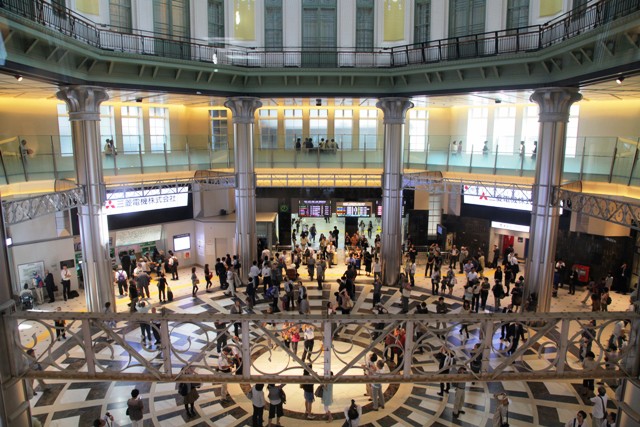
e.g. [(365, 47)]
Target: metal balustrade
[(107, 346), (604, 159), (508, 41)]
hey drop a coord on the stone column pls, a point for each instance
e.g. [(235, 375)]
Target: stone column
[(554, 106), (83, 103), (394, 110), (243, 109)]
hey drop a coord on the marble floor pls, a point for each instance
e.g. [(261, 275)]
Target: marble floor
[(532, 403)]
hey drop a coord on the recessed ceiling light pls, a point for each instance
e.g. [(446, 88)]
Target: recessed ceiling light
[(18, 77), (620, 79)]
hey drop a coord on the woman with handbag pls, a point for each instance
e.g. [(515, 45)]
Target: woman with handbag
[(194, 282), (501, 416)]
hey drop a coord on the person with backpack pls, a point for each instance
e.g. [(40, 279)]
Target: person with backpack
[(189, 393), (352, 414), (498, 294), (121, 280), (277, 399)]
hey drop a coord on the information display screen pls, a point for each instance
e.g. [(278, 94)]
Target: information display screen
[(314, 208), (353, 209)]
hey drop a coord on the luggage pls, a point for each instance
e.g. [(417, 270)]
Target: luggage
[(292, 274), (169, 294), (73, 294)]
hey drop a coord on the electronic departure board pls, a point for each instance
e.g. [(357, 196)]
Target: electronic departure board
[(353, 209), (314, 208)]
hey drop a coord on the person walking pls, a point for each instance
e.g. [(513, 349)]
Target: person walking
[(194, 282), (258, 401), (352, 414), (308, 396), (460, 392), (135, 408), (501, 416), (327, 400)]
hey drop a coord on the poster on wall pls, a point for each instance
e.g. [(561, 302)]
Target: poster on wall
[(25, 272)]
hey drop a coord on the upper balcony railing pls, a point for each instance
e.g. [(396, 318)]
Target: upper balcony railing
[(604, 159), (509, 41)]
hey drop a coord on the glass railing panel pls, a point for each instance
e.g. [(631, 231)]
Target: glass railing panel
[(109, 164), (440, 149), (262, 158), (350, 159), (415, 159), (623, 163), (222, 158), (128, 162), (482, 162), (374, 159), (508, 163), (572, 169), (283, 158), (459, 162), (176, 160), (200, 158), (598, 158)]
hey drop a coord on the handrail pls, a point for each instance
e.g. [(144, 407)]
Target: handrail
[(515, 40)]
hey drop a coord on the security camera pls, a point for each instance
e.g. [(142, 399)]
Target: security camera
[(318, 102)]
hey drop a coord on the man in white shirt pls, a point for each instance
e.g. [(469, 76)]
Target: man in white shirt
[(254, 272), (224, 366), (65, 275), (599, 410), (120, 277)]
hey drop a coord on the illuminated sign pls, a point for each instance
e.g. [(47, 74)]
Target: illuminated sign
[(314, 208), (507, 226), (353, 209), (499, 197), (119, 202)]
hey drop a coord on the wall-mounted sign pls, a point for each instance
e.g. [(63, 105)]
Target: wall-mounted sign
[(507, 226), (119, 202), (314, 208), (356, 209), (510, 198)]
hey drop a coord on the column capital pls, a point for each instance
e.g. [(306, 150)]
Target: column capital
[(394, 109), (243, 108), (555, 102), (83, 101)]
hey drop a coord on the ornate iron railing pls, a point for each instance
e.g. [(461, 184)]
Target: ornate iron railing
[(509, 41), (108, 347)]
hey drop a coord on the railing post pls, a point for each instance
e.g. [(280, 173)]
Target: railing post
[(584, 150), (318, 156), (166, 159), (115, 161), (188, 156), (341, 154), (471, 161), (53, 159), (165, 343), (426, 157), (327, 342), (495, 161), (4, 168), (246, 350), (563, 348), (613, 161), (228, 154), (210, 150), (448, 156), (365, 153), (295, 158), (140, 155), (521, 162), (496, 43), (633, 165), (408, 350), (88, 347)]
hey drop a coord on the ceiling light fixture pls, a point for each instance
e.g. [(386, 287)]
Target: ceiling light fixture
[(620, 79), (18, 77)]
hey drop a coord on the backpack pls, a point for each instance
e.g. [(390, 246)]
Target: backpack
[(183, 389), (175, 262), (271, 292), (169, 294), (352, 413), (121, 278)]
